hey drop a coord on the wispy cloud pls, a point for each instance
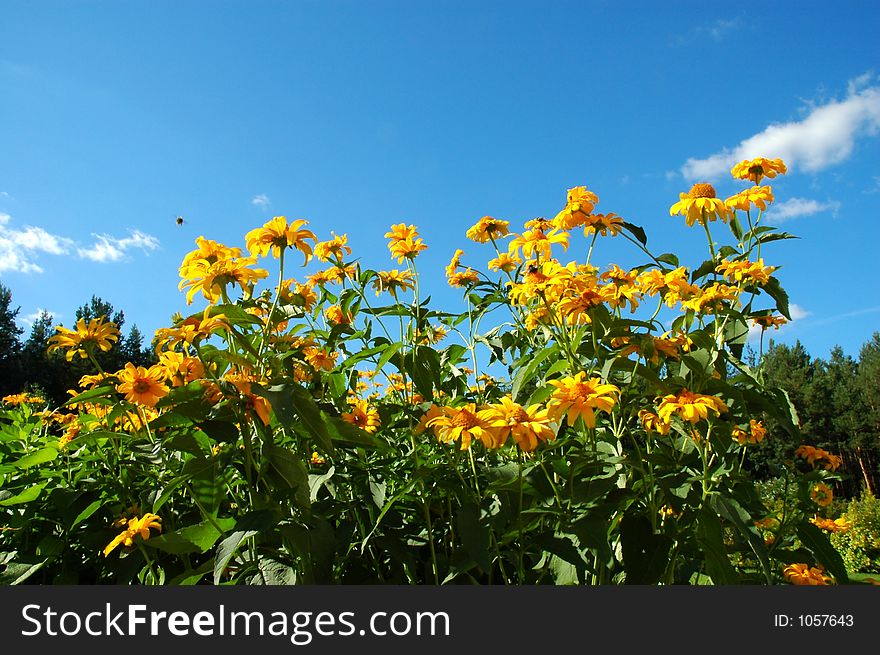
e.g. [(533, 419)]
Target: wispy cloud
[(261, 200), (799, 207), (21, 247), (716, 30), (839, 317), (30, 319), (826, 136), (111, 249)]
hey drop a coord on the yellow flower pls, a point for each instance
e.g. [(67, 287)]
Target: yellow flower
[(253, 404), (804, 574), (464, 279), (818, 457), (362, 416), (678, 287), (320, 359), (769, 321), (487, 229), (336, 316), (392, 281), (529, 426), (700, 205), (759, 196), (142, 386), (277, 235), (464, 424), (821, 494), (575, 396), (712, 299), (691, 407), (211, 278), (744, 271), (86, 336), (755, 433), (504, 262), (603, 224), (576, 307), (578, 208), (406, 249), (316, 459), (756, 169), (433, 412), (332, 249), (180, 369), (536, 243), (190, 331), (136, 526), (23, 399), (404, 242), (831, 525), (652, 423)]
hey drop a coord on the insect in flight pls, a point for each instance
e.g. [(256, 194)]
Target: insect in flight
[(180, 220)]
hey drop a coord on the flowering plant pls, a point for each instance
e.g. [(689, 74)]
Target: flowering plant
[(573, 424)]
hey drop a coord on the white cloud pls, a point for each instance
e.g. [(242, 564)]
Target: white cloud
[(717, 30), (19, 247), (826, 136), (111, 249), (720, 28), (261, 200), (4, 194), (798, 207), (30, 319)]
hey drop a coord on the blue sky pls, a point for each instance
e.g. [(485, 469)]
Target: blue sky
[(117, 117)]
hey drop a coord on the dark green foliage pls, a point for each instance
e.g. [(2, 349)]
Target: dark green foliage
[(838, 405)]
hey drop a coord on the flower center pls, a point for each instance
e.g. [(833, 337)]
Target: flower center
[(702, 191), (520, 415), (141, 386), (464, 419)]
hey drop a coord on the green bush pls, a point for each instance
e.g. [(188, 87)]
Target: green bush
[(860, 544)]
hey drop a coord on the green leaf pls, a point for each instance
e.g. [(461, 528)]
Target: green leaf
[(227, 549), (740, 518), (474, 535), (18, 572), (317, 482), (220, 430), (42, 456), (423, 365), (26, 496), (637, 232), (669, 258), (645, 554), (817, 543), (775, 290), (88, 511), (197, 538), (207, 482), (292, 402), (91, 394), (292, 470), (527, 372), (735, 227), (345, 434), (390, 351), (711, 540)]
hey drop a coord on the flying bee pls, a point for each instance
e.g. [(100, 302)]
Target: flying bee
[(179, 220)]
